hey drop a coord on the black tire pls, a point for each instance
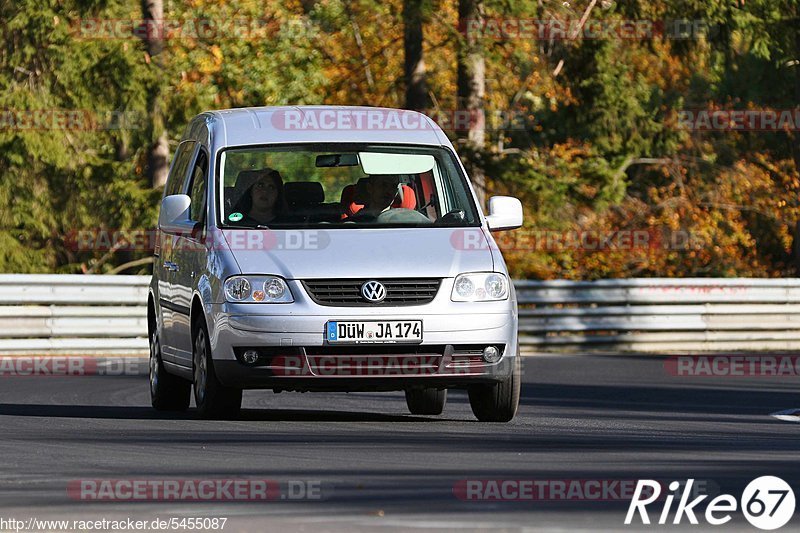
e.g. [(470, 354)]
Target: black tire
[(426, 401), (498, 402), (213, 400), (167, 392)]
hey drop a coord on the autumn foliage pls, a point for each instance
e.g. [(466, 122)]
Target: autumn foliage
[(587, 131)]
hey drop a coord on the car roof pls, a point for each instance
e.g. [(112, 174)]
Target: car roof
[(301, 124)]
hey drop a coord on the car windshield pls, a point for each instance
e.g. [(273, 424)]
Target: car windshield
[(343, 185)]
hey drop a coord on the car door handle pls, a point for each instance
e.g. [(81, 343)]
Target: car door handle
[(172, 267)]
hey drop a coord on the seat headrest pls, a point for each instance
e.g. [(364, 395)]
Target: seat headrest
[(348, 193), (244, 180), (347, 200), (407, 198), (302, 193), (361, 196)]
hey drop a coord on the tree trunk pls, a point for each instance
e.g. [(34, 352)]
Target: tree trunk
[(416, 87), (471, 87), (157, 166), (153, 17), (158, 161)]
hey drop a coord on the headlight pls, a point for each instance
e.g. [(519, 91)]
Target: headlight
[(256, 289), (480, 287)]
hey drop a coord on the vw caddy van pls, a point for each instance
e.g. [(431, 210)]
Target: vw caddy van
[(321, 248)]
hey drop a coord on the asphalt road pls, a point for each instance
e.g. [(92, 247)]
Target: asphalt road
[(371, 466)]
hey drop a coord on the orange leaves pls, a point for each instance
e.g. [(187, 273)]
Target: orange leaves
[(725, 221), (211, 62)]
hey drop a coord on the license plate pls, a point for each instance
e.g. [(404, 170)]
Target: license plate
[(367, 332)]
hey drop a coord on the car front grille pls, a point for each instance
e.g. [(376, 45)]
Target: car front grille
[(347, 292)]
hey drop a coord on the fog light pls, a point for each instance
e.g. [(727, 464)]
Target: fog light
[(250, 357), (491, 354)]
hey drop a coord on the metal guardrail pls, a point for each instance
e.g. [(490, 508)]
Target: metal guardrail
[(73, 314), (660, 314), (107, 314)]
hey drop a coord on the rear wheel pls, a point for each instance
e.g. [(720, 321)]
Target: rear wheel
[(426, 401), (213, 400), (497, 402), (167, 392)]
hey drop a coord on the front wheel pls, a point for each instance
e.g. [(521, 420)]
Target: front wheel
[(167, 392), (213, 400), (426, 401), (497, 402)]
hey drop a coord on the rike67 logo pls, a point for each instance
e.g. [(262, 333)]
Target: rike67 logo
[(767, 503)]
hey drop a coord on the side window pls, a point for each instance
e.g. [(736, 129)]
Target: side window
[(180, 165), (197, 189)]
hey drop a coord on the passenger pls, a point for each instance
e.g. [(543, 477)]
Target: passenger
[(262, 202)]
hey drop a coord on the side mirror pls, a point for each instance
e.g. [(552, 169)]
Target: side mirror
[(505, 212), (174, 215)]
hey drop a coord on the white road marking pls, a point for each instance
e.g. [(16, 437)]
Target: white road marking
[(789, 415)]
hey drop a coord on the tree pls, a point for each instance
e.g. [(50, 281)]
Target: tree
[(158, 152), (471, 91), (599, 147), (415, 75)]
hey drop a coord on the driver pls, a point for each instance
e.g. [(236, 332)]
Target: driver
[(381, 190)]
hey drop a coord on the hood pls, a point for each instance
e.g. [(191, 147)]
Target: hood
[(359, 253)]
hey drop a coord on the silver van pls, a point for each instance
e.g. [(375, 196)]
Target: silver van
[(322, 248)]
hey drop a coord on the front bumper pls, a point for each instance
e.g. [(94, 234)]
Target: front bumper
[(297, 356)]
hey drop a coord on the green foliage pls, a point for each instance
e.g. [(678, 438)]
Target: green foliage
[(590, 143), (56, 172)]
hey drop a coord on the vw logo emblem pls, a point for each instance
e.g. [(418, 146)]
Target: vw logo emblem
[(373, 291)]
